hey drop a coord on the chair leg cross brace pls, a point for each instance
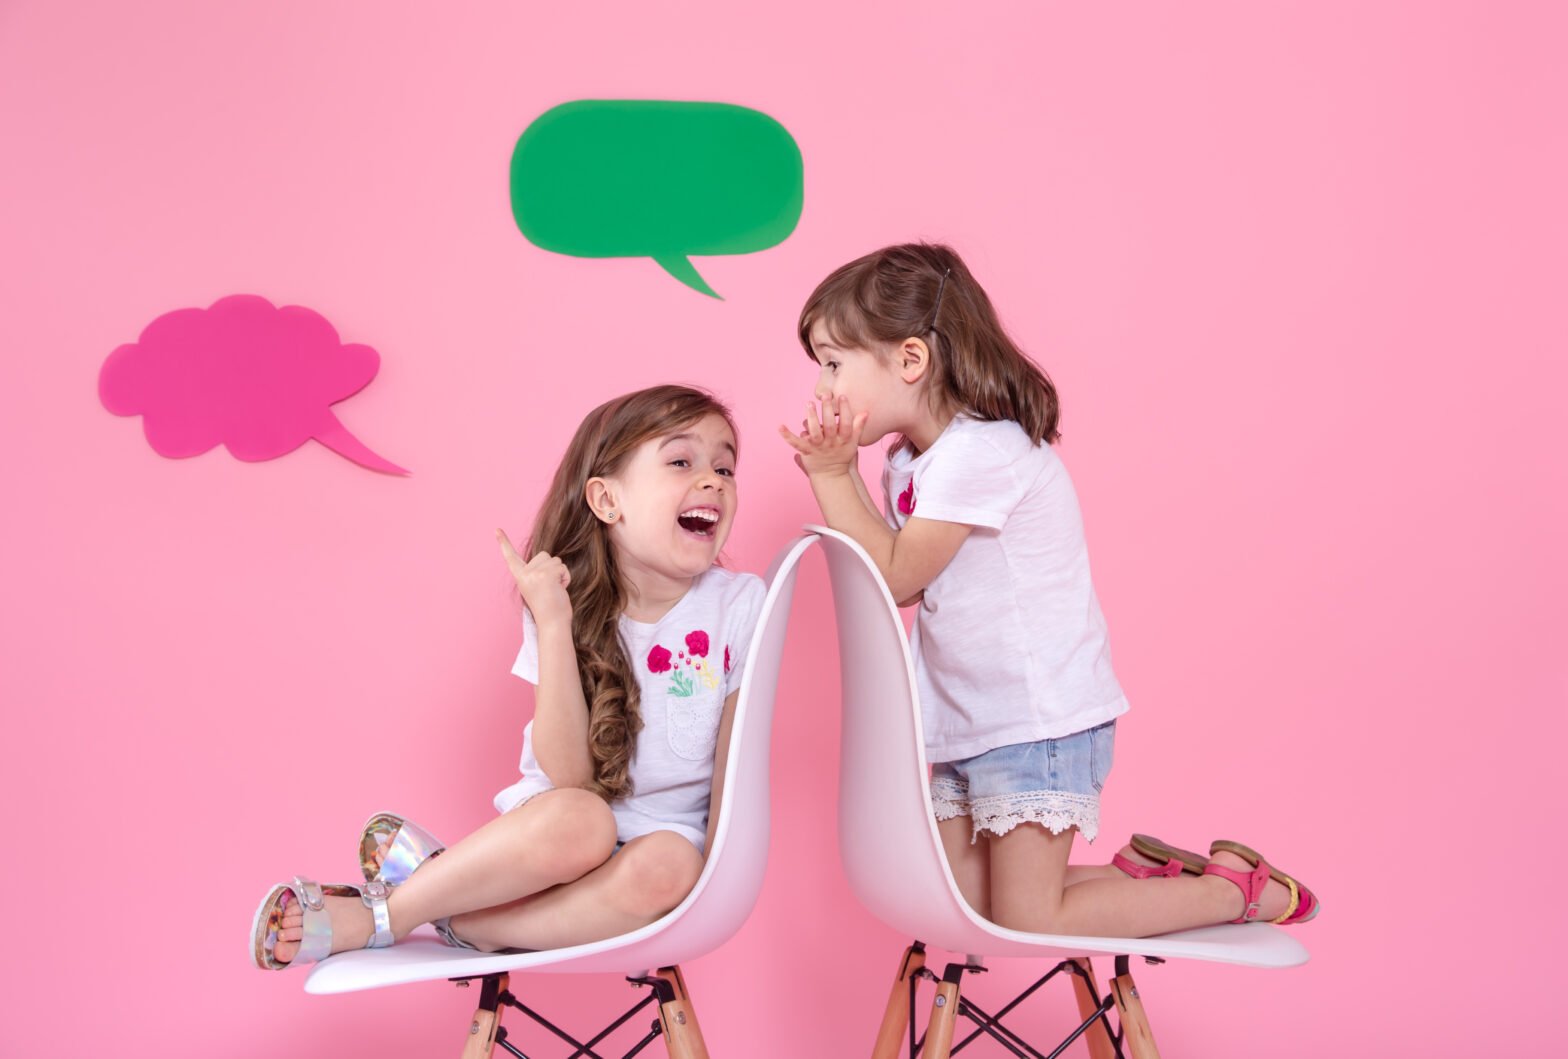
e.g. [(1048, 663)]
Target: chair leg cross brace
[(948, 1004), (677, 1020)]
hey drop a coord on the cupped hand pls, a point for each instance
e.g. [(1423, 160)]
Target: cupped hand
[(828, 441)]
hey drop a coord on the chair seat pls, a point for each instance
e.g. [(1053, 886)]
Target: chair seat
[(1248, 945), (423, 957)]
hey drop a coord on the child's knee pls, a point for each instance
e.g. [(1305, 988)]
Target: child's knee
[(576, 832), (656, 873)]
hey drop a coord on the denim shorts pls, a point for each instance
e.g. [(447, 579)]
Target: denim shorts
[(1053, 782)]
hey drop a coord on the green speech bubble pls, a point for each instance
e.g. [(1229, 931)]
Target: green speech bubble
[(659, 179)]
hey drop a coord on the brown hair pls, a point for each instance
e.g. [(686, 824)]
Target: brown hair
[(925, 291), (569, 530)]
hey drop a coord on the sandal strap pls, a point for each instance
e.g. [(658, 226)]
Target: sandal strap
[(1250, 883), (1169, 870), (374, 895), (444, 929), (1295, 902), (316, 944)]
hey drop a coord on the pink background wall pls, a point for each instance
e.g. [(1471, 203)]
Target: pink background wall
[(1298, 272)]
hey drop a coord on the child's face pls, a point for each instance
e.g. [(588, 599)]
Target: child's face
[(675, 500), (868, 378)]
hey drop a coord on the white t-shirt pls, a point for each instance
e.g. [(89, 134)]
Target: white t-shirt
[(1009, 643), (687, 663)]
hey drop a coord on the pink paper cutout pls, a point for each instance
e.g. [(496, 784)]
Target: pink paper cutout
[(244, 373)]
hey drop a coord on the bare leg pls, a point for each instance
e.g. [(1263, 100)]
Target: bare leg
[(970, 862), (558, 836), (1029, 892), (647, 878)]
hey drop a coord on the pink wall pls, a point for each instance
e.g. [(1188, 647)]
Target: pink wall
[(1297, 271)]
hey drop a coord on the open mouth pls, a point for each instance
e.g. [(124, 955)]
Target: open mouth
[(699, 521)]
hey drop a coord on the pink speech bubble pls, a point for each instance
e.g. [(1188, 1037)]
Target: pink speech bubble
[(244, 373)]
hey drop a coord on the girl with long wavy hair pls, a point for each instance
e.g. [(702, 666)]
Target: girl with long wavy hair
[(635, 640)]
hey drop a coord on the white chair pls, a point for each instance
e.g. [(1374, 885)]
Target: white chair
[(893, 856), (716, 907)]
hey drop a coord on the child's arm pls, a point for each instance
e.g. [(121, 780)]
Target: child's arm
[(907, 559), (720, 760), (560, 710), (854, 473)]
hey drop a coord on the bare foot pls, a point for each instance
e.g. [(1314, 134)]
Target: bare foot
[(1275, 897), (352, 925)]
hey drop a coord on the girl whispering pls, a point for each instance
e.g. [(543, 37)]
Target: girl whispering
[(1012, 661)]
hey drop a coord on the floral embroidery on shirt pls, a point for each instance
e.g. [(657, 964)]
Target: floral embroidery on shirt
[(726, 658), (683, 684), (906, 499)]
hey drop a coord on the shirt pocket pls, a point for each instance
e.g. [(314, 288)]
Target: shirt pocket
[(693, 707)]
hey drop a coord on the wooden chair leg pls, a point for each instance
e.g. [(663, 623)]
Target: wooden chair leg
[(487, 1019), (1135, 1025), (944, 1013), (682, 1035), (890, 1038), (1099, 1041)]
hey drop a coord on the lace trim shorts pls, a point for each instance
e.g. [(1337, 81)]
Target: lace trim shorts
[(1053, 782)]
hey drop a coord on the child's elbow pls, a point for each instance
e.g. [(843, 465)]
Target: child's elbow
[(562, 775)]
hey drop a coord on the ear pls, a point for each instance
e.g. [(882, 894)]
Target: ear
[(914, 359), (600, 494)]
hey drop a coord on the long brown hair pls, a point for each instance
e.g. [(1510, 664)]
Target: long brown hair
[(925, 291), (569, 530)]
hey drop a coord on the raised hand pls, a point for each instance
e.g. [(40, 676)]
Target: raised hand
[(542, 580), (828, 442)]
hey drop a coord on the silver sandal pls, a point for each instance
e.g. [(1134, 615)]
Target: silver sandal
[(407, 847), (316, 944)]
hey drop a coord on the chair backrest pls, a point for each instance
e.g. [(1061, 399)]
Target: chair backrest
[(732, 877), (887, 833)]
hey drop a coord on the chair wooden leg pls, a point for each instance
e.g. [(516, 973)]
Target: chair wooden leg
[(1135, 1025), (890, 1038), (1099, 1041), (944, 1013), (487, 1019), (682, 1035)]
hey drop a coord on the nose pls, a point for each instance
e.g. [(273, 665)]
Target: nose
[(824, 389)]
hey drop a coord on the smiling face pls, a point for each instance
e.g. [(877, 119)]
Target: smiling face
[(671, 506), (870, 379)]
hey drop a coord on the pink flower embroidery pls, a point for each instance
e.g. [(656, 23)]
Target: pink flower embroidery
[(697, 643), (726, 658), (906, 499), (658, 660)]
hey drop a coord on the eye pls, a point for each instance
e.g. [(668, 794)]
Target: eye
[(833, 366), (680, 462), (728, 472)]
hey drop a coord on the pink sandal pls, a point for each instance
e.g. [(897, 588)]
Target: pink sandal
[(1176, 860), (1303, 905)]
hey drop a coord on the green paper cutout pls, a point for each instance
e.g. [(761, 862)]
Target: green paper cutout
[(659, 179)]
